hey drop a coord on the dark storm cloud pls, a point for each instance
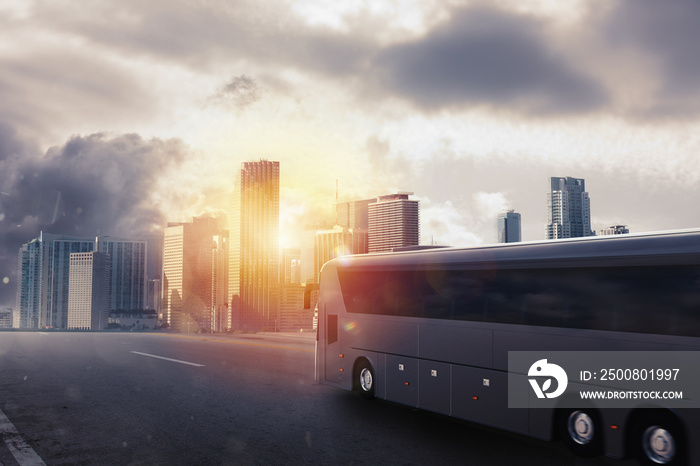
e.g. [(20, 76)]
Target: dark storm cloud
[(480, 56), (484, 56), (91, 185), (666, 35)]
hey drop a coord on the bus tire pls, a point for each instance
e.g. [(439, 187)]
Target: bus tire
[(364, 375), (581, 432), (659, 439)]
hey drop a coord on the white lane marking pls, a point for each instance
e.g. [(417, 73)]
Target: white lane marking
[(23, 453), (168, 359)]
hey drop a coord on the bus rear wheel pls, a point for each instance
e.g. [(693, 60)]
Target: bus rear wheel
[(659, 439), (580, 431), (365, 379)]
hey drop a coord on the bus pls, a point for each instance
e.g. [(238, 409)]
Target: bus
[(432, 329)]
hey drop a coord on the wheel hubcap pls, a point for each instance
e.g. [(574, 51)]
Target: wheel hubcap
[(659, 445), (581, 427), (366, 379)]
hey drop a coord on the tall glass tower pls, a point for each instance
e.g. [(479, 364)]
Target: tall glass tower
[(509, 230), (128, 281), (568, 209), (254, 246)]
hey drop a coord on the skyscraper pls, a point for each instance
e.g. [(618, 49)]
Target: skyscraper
[(393, 222), (44, 272), (191, 264), (221, 315), (290, 266), (568, 209), (128, 282), (88, 291), (29, 287), (509, 229), (336, 242), (44, 264), (354, 214), (254, 246)]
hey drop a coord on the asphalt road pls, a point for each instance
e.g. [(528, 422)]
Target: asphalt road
[(112, 398)]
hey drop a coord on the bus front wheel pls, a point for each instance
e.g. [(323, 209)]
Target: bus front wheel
[(365, 379), (580, 430), (659, 439)]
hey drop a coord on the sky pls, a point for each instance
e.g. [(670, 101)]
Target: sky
[(118, 116)]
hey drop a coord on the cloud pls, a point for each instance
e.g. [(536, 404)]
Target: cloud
[(489, 205), (445, 225), (664, 37), (452, 57), (239, 93), (91, 185), (484, 56), (47, 85)]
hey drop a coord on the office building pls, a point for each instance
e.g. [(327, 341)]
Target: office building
[(128, 282), (509, 229), (189, 274), (28, 303), (336, 242), (44, 276), (254, 246), (44, 264), (292, 315), (393, 222), (155, 296), (614, 230), (290, 266), (568, 209), (307, 266), (220, 312), (88, 291), (7, 319), (354, 214)]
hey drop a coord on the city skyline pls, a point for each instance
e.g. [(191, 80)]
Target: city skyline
[(120, 118)]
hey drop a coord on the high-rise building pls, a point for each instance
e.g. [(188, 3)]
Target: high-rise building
[(568, 209), (155, 296), (254, 246), (128, 282), (221, 315), (290, 270), (393, 222), (354, 214), (88, 291), (509, 229), (336, 242), (7, 317), (191, 265), (614, 230), (292, 315), (28, 303), (307, 252), (44, 271), (44, 264)]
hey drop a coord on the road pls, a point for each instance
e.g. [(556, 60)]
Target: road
[(159, 399)]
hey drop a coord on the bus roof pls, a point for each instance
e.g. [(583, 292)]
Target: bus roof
[(680, 246)]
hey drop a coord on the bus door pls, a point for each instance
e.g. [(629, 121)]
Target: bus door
[(332, 349)]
